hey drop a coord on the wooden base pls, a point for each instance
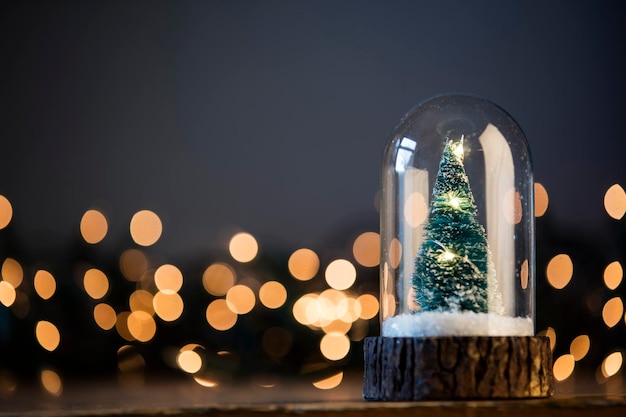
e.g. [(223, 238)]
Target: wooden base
[(456, 367)]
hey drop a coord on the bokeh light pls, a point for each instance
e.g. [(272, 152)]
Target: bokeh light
[(7, 294), (133, 264), (369, 306), (559, 271), (613, 275), (335, 346), (105, 316), (523, 274), (366, 249), (243, 247), (145, 228), (395, 253), (612, 364), (615, 201), (563, 367), (96, 283), (541, 200), (6, 212), (340, 274), (93, 226), (12, 272), (168, 277), (580, 347), (303, 264), (273, 294), (220, 316), (189, 360), (141, 300), (612, 311), (415, 209), (218, 278), (141, 326), (51, 382), (121, 325), (240, 299), (168, 305), (45, 284), (47, 335), (330, 382)]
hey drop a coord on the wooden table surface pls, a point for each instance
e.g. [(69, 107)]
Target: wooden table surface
[(183, 398)]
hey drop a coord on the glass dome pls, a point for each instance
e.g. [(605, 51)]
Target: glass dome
[(457, 223)]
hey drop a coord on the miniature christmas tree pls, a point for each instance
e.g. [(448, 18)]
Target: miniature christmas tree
[(453, 266)]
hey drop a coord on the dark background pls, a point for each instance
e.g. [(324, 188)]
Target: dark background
[(271, 117)]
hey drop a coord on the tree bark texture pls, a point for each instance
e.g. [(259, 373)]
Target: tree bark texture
[(457, 367)]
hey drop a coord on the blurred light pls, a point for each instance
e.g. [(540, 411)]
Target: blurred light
[(580, 347), (129, 360), (276, 342), (205, 382), (395, 253), (121, 325), (369, 306), (189, 361), (302, 307), (612, 311), (93, 226), (218, 278), (330, 382), (145, 228), (559, 271), (615, 201), (96, 283), (243, 247), (168, 305), (613, 275), (44, 283), (523, 274), (612, 364), (550, 333), (12, 272), (6, 212), (273, 294), (47, 335), (335, 346), (141, 300), (340, 274), (415, 209), (563, 367), (51, 382), (220, 316), (105, 316), (7, 294), (303, 264), (133, 264), (366, 249), (8, 383), (240, 299), (141, 326), (348, 310), (512, 206), (168, 277), (541, 200), (337, 326)]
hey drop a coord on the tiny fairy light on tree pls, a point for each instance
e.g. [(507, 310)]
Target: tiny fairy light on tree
[(457, 290), (453, 267)]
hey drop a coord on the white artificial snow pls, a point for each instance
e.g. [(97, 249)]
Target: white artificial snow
[(465, 323)]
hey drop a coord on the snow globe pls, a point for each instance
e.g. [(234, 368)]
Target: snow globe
[(457, 260)]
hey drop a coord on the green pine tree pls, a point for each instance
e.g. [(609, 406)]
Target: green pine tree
[(453, 264)]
